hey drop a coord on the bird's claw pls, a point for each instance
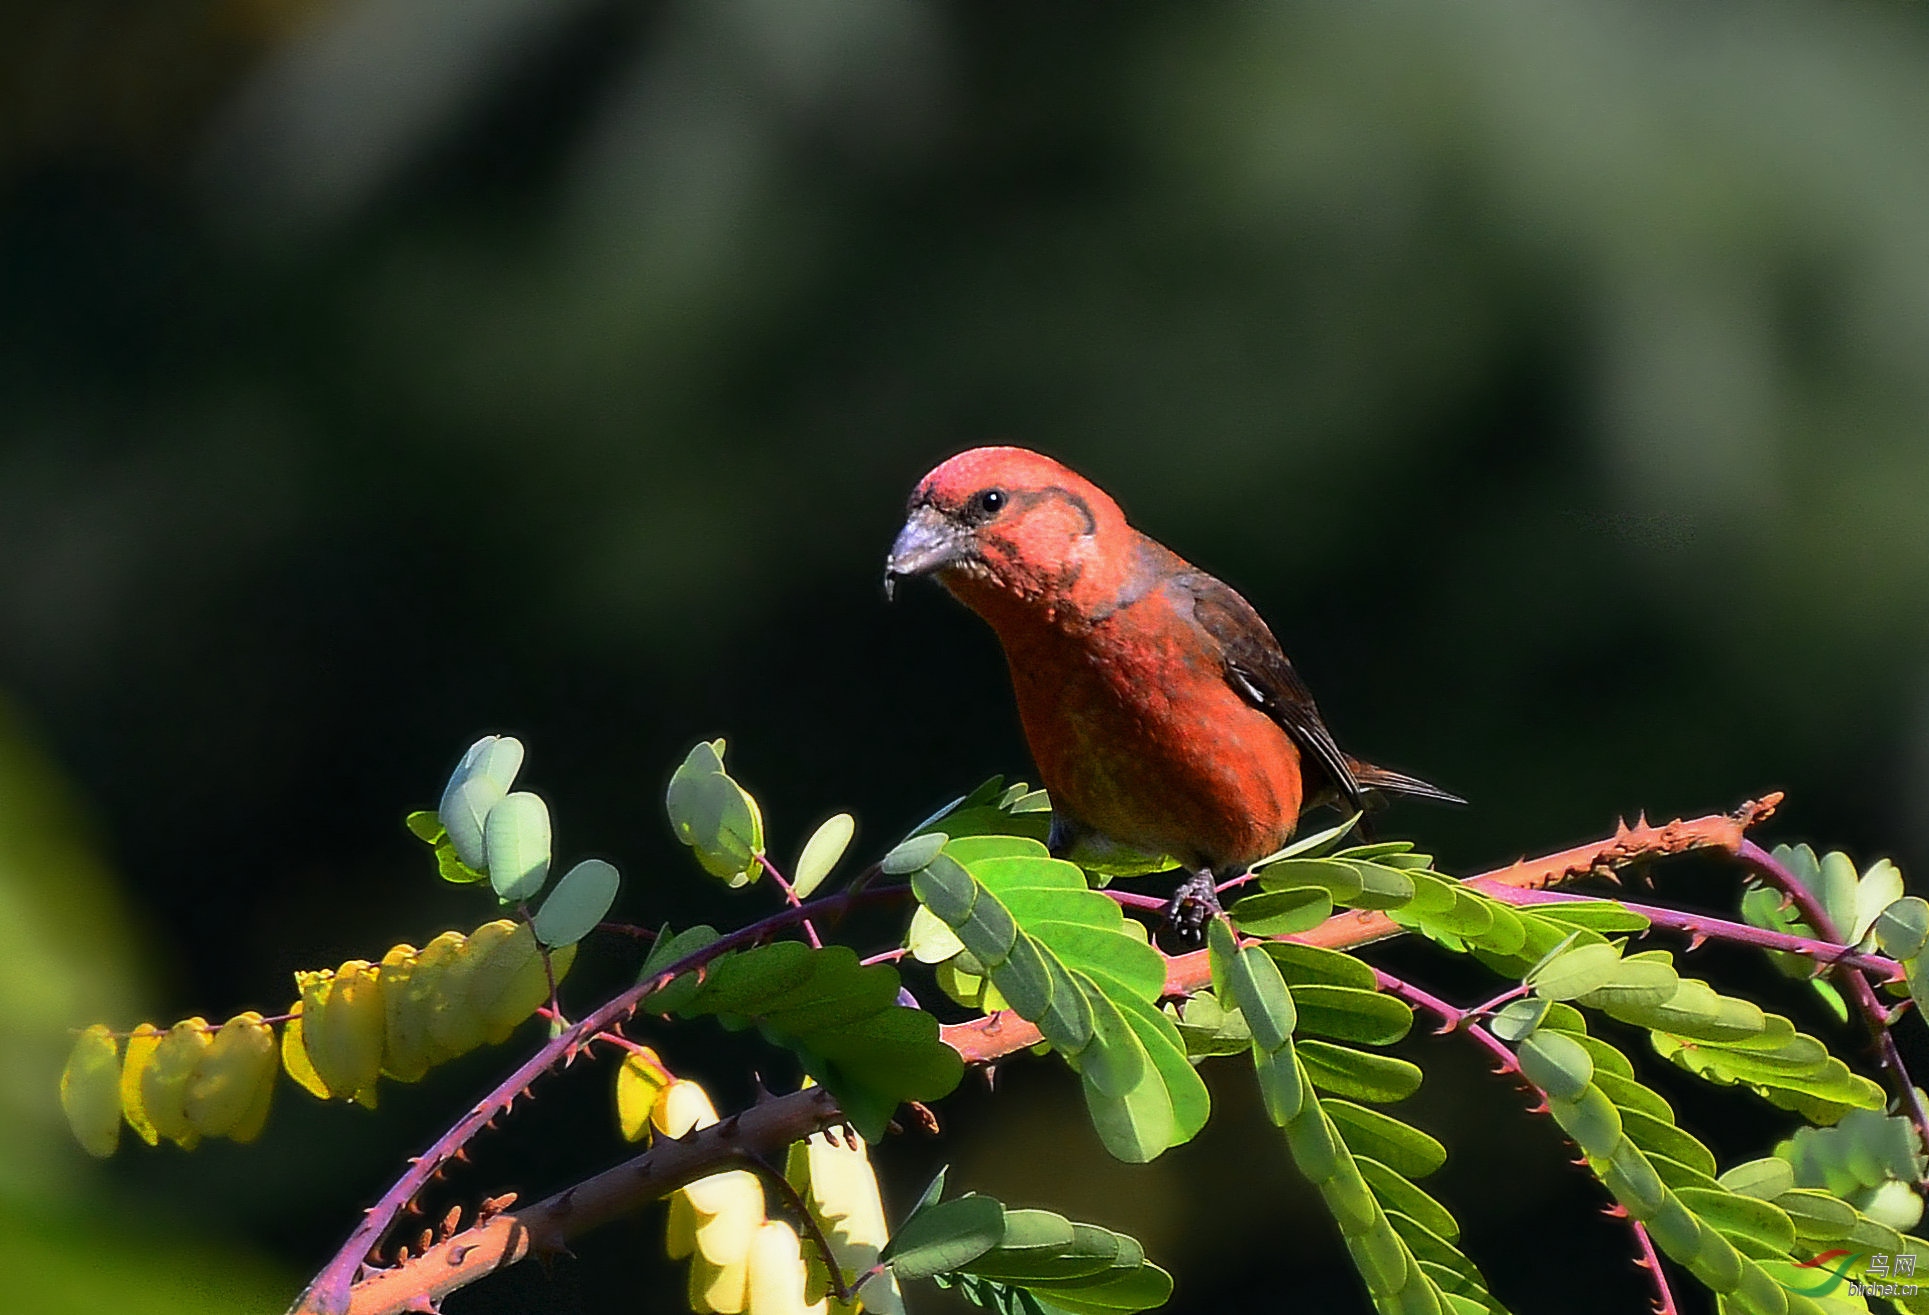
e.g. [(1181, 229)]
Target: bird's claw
[(1194, 904)]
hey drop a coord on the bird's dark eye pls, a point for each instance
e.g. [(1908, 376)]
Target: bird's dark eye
[(991, 501)]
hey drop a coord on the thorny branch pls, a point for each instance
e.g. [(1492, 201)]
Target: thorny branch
[(1870, 1008), (1506, 1064), (350, 1285)]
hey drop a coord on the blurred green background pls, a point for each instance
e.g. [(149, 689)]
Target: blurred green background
[(1555, 379)]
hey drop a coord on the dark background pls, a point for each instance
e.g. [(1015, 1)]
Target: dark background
[(376, 375)]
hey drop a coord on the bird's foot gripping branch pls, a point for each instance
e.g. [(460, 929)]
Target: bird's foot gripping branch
[(775, 1207)]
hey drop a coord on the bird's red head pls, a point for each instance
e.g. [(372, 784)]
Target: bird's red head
[(1007, 529)]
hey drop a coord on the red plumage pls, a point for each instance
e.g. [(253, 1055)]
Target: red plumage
[(1160, 710)]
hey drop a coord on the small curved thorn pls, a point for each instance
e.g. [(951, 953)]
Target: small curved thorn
[(1641, 1262), (1615, 1210), (1540, 1107), (1447, 1026), (459, 1254)]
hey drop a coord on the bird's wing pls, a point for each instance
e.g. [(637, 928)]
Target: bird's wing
[(1257, 668)]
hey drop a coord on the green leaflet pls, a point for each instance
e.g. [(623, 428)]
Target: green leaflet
[(1400, 1146), (427, 827), (1764, 1179), (1345, 1013), (945, 1236), (1357, 1074), (1208, 1027), (1251, 981), (1311, 965), (1722, 1236), (1605, 916), (1557, 1064), (1631, 1095), (841, 1019), (1282, 912), (1576, 971), (578, 902), (1797, 1071), (1737, 1215), (1658, 1138), (1865, 1150), (994, 809), (1819, 1218), (821, 853), (1032, 1261), (1425, 1274), (1442, 1262), (1064, 957), (1397, 1193), (714, 816)]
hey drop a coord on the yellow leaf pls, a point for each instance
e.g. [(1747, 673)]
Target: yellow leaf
[(406, 1043), (639, 1082), (426, 989), (456, 1026), (90, 1091), (140, 1049), (683, 1106), (165, 1080), (840, 1189), (342, 1026), (294, 1055), (680, 1234), (730, 1210), (510, 983), (718, 1288), (225, 1091), (776, 1279)]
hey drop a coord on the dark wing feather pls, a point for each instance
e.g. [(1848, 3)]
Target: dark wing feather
[(1259, 670)]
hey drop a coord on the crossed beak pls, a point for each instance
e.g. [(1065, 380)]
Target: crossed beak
[(928, 542)]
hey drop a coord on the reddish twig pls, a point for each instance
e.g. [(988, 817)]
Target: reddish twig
[(508, 1237), (1000, 1034), (329, 1292), (545, 1227), (1700, 927), (1871, 1009), (1454, 1019), (790, 894)]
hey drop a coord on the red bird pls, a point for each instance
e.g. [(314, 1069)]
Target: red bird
[(1159, 708)]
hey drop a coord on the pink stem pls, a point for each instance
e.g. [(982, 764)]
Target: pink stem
[(1453, 1019), (328, 1293), (790, 893), (1858, 986), (1703, 927)]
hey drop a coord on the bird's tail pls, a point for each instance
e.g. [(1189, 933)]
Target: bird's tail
[(1392, 782)]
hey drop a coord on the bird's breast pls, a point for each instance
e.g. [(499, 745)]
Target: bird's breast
[(1137, 735)]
